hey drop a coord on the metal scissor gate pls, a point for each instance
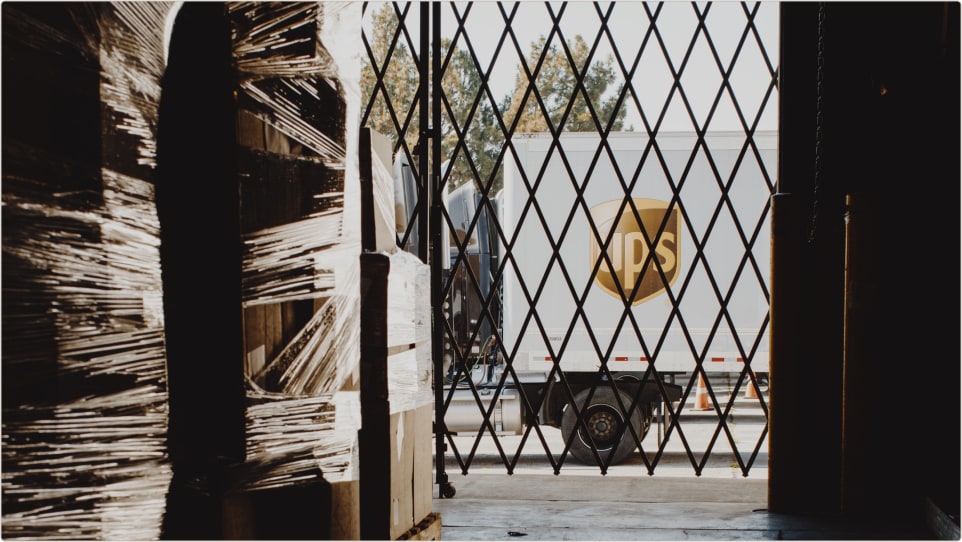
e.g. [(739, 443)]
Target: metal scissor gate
[(590, 183)]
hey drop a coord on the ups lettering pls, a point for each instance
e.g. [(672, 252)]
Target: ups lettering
[(629, 252)]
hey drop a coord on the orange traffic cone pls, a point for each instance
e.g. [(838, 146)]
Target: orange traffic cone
[(751, 390), (701, 394)]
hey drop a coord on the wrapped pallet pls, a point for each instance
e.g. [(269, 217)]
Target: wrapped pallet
[(85, 411), (297, 132), (396, 365), (180, 288)]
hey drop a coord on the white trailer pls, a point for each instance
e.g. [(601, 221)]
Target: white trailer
[(699, 280), (684, 285)]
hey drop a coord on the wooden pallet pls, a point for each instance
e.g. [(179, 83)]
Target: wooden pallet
[(428, 529)]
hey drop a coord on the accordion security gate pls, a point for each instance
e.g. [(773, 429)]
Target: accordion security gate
[(590, 183)]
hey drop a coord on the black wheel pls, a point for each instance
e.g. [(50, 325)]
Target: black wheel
[(606, 426), (447, 490)]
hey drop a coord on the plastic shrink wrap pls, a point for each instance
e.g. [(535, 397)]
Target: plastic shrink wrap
[(85, 383)]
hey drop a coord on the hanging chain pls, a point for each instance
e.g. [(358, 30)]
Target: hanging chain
[(819, 118)]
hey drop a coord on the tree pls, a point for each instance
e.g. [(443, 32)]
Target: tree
[(399, 82), (470, 133), (557, 85), (468, 110)]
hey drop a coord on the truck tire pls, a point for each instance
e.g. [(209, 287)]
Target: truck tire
[(606, 422)]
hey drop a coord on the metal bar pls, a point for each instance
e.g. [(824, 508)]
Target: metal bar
[(434, 233), (858, 367), (423, 133)]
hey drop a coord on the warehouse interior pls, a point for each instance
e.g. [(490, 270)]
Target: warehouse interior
[(199, 306)]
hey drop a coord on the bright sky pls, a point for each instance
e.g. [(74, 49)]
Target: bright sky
[(629, 23)]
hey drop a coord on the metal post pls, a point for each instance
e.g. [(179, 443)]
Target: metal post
[(807, 282), (424, 175), (433, 183), (785, 394)]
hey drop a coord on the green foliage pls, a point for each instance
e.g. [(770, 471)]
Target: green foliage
[(468, 111), (399, 83), (557, 85), (471, 137)]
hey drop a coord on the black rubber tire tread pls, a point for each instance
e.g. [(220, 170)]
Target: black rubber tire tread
[(603, 396)]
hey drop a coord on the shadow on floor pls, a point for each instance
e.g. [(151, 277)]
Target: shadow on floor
[(594, 507)]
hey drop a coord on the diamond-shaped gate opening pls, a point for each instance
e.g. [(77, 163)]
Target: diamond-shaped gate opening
[(390, 101), (726, 257), (625, 266), (700, 81), (752, 182), (700, 192), (749, 68)]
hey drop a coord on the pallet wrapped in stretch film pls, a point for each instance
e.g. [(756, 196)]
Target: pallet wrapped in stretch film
[(298, 105), (84, 386), (89, 380), (396, 363), (396, 395), (410, 391), (410, 372)]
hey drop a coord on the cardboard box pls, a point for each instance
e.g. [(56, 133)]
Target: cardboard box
[(411, 469)]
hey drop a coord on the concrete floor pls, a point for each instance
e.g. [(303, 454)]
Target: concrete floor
[(495, 506)]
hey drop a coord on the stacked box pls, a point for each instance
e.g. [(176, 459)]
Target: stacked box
[(84, 386), (410, 391), (297, 107), (397, 370), (180, 283)]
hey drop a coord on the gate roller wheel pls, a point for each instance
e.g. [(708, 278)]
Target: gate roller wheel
[(447, 490)]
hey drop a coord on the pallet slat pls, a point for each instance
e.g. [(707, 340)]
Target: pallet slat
[(428, 529)]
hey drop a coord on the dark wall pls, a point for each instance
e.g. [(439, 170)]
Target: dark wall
[(807, 306), (890, 145), (895, 96)]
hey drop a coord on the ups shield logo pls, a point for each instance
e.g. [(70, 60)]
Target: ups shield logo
[(628, 250)]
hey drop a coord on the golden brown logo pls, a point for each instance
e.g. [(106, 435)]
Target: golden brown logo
[(628, 250)]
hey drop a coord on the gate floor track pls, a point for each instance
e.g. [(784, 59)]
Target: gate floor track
[(580, 507)]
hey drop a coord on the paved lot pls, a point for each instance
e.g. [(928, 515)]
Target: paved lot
[(625, 504), (698, 428), (629, 504), (493, 506)]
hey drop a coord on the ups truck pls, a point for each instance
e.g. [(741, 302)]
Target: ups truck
[(661, 278)]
